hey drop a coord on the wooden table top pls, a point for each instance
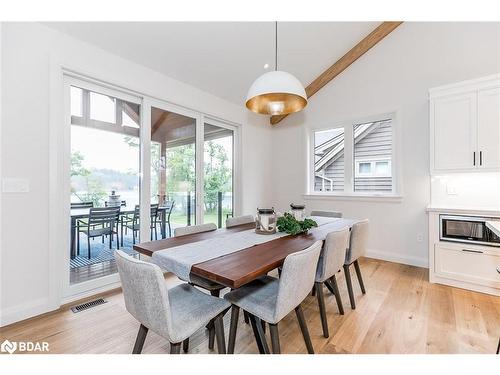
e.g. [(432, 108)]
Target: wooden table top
[(239, 268)]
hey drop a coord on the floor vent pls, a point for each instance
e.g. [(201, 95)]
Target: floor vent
[(88, 305)]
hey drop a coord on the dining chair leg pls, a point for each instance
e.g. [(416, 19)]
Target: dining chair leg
[(102, 239), (139, 341), (175, 348), (332, 285), (259, 335), (348, 281), (185, 345), (210, 325), (322, 309), (219, 334), (233, 327), (117, 240), (245, 317), (169, 230), (275, 340), (133, 236), (156, 233), (303, 329), (358, 274)]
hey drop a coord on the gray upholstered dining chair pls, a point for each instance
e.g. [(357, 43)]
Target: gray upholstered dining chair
[(356, 249), (212, 287), (330, 262), (326, 213), (193, 229), (239, 220), (269, 300), (174, 314)]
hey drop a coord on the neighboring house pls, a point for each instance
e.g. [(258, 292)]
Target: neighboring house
[(372, 159)]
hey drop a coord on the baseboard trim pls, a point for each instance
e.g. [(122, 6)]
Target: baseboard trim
[(25, 311), (398, 258)]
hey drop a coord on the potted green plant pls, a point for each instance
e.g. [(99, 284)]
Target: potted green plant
[(289, 224)]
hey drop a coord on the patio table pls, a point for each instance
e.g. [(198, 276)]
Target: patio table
[(83, 213)]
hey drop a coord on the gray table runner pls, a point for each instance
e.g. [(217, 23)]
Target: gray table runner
[(180, 259)]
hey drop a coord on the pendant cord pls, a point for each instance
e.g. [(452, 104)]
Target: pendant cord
[(276, 45)]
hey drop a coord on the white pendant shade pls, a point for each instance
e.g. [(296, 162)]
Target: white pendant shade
[(276, 93)]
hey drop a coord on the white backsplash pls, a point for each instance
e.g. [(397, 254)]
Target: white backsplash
[(466, 190)]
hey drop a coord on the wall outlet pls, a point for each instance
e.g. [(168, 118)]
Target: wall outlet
[(420, 237), (15, 185)]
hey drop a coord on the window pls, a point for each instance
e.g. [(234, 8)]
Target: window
[(369, 170)]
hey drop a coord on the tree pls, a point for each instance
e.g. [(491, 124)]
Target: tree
[(217, 174), (94, 188)]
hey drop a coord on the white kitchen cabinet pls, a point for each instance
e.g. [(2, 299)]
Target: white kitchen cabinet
[(465, 126), (488, 128)]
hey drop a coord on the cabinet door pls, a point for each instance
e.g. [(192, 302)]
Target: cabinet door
[(488, 129), (454, 134)]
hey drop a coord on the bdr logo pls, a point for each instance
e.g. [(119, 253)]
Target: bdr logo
[(24, 346)]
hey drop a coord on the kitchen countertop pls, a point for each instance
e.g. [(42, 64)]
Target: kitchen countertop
[(465, 210), (494, 225)]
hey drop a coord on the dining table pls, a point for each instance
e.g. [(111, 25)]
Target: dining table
[(83, 213), (233, 256)]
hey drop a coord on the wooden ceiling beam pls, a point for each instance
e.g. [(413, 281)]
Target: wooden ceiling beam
[(379, 33)]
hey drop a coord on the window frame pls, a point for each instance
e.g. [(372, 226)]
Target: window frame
[(349, 165)]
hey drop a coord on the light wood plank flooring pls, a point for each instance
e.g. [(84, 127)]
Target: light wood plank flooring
[(401, 313)]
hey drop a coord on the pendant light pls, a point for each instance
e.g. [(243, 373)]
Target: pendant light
[(276, 93)]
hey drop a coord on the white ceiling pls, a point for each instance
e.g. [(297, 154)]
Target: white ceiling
[(223, 58)]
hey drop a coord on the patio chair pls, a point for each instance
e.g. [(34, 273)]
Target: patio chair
[(82, 204), (101, 222), (169, 206), (133, 223)]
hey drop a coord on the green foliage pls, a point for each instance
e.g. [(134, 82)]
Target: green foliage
[(217, 174), (288, 224), (77, 168), (94, 188)]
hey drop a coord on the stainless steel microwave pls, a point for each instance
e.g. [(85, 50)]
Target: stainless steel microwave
[(467, 229)]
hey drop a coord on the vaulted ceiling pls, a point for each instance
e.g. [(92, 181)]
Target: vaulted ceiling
[(223, 58)]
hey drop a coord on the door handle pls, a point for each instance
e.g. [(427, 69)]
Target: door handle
[(480, 158), (474, 158), (472, 251)]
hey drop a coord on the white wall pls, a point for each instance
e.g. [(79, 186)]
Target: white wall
[(27, 49), (394, 76)]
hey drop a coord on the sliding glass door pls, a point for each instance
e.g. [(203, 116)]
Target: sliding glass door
[(104, 178), (218, 166), (137, 168), (173, 169)]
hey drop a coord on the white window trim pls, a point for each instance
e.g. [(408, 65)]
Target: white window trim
[(395, 195)]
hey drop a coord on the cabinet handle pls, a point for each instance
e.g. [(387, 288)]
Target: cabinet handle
[(472, 251), (474, 158), (480, 158), (498, 269)]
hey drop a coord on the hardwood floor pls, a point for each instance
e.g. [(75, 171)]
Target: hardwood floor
[(401, 313)]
